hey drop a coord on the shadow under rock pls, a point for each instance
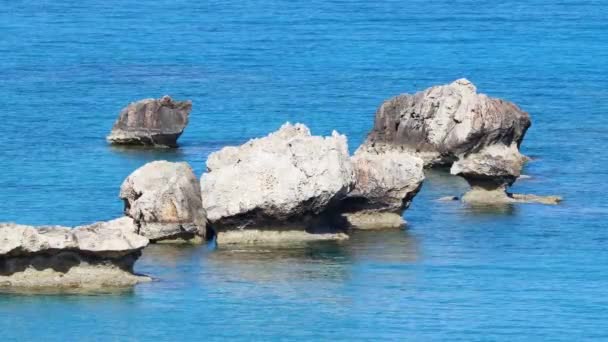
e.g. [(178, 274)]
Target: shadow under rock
[(313, 259), (280, 262), (505, 209)]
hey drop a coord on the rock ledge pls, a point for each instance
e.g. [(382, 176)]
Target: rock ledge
[(94, 256)]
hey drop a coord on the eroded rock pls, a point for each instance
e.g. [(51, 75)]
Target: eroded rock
[(164, 200), (385, 185), (94, 256), (445, 122), (453, 125), (287, 180), (151, 122)]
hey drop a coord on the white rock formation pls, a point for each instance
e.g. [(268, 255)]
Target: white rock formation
[(284, 181)]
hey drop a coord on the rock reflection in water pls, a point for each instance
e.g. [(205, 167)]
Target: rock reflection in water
[(167, 256), (329, 260), (284, 262), (391, 245), (105, 292), (323, 269), (489, 210)]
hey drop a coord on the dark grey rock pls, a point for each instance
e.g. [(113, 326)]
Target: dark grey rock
[(151, 122)]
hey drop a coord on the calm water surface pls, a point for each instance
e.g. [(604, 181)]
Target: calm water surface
[(526, 272)]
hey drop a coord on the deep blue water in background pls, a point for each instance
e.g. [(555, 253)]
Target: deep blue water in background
[(530, 272)]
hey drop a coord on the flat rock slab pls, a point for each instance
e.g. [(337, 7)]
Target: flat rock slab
[(255, 236), (92, 256)]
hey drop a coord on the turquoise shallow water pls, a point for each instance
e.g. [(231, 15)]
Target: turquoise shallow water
[(528, 272)]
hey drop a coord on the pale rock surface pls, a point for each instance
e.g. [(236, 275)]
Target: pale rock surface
[(285, 181), (164, 200), (94, 256), (151, 122)]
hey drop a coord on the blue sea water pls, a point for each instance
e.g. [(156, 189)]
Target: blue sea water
[(529, 272)]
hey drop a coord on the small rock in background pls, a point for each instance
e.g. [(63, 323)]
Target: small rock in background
[(151, 122)]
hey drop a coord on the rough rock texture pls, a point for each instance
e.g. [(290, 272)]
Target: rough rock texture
[(385, 185), (497, 164), (153, 122), (445, 122), (287, 180), (452, 124), (164, 200), (93, 256)]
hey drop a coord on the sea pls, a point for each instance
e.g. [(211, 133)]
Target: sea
[(525, 272)]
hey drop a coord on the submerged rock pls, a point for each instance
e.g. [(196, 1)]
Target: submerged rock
[(164, 200), (288, 180), (489, 193), (448, 198), (93, 256), (385, 185), (443, 123), (529, 198), (256, 236), (151, 122)]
